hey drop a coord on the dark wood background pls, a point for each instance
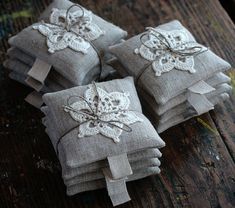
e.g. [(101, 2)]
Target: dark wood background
[(198, 162)]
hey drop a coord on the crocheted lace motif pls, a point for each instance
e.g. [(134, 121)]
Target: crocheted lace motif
[(168, 50), (74, 32), (105, 114)]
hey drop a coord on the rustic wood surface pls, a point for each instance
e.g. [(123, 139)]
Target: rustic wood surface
[(198, 162)]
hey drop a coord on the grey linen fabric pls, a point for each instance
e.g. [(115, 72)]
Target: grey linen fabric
[(214, 81), (146, 162), (68, 173), (15, 53), (183, 116), (184, 107), (54, 81), (80, 151), (71, 173), (20, 71), (20, 64), (83, 159), (82, 178), (172, 83), (66, 61), (21, 79), (98, 184)]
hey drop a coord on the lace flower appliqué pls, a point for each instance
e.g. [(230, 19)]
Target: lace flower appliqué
[(69, 29), (100, 112), (168, 50)]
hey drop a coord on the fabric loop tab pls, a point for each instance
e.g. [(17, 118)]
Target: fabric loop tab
[(35, 99), (39, 73), (200, 103), (119, 166), (201, 88), (116, 188), (36, 85)]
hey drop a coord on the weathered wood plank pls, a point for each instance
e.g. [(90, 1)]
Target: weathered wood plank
[(224, 119), (197, 169)]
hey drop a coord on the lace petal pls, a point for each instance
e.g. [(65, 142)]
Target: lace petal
[(129, 118), (111, 132), (185, 64), (92, 32), (146, 53), (56, 42), (79, 44), (120, 100), (163, 64), (87, 129), (46, 29), (78, 106)]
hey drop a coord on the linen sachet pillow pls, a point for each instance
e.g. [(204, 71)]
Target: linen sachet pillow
[(211, 82), (184, 111), (15, 53), (167, 60), (74, 175), (64, 121), (185, 115), (98, 122), (71, 39)]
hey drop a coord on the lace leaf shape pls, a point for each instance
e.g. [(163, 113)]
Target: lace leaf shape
[(105, 113), (74, 32), (157, 50)]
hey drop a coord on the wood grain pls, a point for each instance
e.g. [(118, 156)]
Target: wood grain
[(198, 162)]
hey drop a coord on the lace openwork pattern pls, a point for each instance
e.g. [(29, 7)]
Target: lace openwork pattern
[(100, 112), (69, 29), (168, 50)]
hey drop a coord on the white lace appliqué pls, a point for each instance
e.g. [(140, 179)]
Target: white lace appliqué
[(106, 113), (156, 50), (74, 32)]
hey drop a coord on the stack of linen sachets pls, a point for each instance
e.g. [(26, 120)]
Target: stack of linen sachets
[(66, 48), (101, 137), (98, 130), (176, 77)]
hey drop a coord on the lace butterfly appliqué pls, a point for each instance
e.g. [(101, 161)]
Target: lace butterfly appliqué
[(69, 29), (100, 112), (169, 50)]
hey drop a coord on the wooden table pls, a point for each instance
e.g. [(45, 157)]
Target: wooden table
[(198, 162)]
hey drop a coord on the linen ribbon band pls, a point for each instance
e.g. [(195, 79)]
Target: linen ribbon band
[(187, 51), (38, 74), (92, 116), (68, 27)]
